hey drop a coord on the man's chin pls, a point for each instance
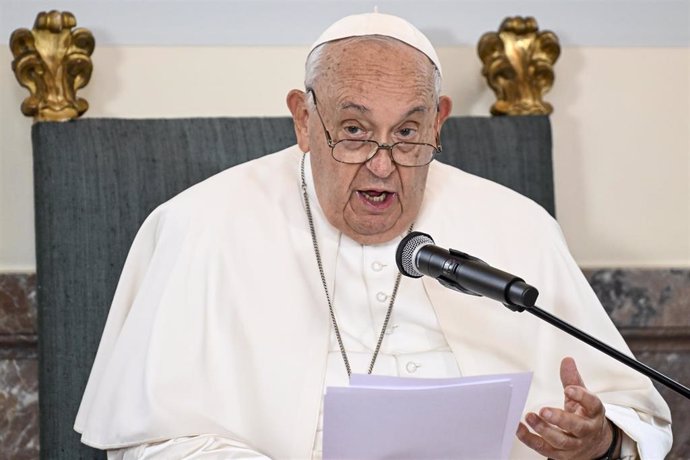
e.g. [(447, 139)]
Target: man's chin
[(376, 233)]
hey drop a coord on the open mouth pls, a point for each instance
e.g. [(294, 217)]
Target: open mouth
[(377, 198)]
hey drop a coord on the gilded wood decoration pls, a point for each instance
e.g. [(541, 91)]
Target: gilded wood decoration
[(518, 66), (53, 61)]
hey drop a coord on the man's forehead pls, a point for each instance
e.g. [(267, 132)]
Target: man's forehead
[(381, 109), (367, 90), (355, 69), (351, 59), (378, 24)]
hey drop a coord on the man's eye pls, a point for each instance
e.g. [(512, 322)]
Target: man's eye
[(407, 132), (353, 130)]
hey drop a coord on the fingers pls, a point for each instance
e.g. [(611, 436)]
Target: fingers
[(535, 442), (559, 434), (570, 376), (579, 430), (567, 422), (546, 440), (558, 431), (569, 373), (590, 403), (552, 434)]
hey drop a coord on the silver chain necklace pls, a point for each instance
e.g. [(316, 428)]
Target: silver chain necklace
[(317, 253)]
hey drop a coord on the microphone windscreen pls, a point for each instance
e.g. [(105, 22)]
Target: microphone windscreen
[(407, 252)]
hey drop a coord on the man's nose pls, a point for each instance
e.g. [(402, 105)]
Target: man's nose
[(382, 164)]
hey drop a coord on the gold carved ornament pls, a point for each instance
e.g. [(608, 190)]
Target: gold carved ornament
[(518, 65), (53, 61)]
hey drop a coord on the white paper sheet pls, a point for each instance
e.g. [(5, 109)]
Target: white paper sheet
[(394, 417)]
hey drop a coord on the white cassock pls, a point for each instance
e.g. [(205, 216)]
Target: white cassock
[(219, 345)]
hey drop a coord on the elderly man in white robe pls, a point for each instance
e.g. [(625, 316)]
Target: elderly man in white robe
[(202, 357)]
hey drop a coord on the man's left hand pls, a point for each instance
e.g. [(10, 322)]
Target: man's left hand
[(578, 431)]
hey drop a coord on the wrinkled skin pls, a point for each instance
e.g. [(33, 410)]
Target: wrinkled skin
[(578, 431), (370, 90)]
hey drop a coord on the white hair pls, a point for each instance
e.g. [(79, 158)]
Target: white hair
[(312, 68)]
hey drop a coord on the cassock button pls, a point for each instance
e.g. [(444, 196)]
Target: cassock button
[(377, 266), (411, 367), (381, 296)]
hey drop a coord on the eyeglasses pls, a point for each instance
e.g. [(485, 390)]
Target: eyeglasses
[(355, 151)]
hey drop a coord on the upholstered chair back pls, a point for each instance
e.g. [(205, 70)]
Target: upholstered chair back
[(97, 179)]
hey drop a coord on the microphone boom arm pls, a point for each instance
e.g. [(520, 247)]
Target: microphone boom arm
[(612, 352), (417, 256)]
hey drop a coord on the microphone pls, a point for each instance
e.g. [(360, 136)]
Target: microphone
[(417, 256)]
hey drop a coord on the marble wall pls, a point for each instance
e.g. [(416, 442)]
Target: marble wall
[(651, 308), (18, 367)]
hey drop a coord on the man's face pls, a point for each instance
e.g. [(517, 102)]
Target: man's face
[(380, 91)]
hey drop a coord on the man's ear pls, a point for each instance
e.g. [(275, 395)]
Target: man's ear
[(297, 103), (445, 105)]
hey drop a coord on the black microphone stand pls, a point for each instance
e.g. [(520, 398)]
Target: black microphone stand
[(601, 346), (519, 296), (479, 279)]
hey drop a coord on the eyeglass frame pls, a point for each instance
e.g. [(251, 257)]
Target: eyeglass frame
[(437, 148)]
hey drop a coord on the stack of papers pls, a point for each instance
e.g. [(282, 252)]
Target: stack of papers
[(395, 417)]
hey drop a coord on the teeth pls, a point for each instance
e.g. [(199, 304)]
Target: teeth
[(376, 198)]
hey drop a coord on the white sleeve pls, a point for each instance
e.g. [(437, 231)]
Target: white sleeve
[(204, 447), (644, 436)]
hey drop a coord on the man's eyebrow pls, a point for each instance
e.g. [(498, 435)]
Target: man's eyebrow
[(351, 105), (419, 108)]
